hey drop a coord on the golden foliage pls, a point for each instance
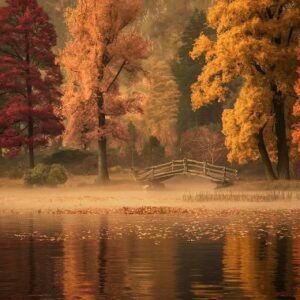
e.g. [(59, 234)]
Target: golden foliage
[(256, 41)]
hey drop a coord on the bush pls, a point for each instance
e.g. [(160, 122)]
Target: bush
[(57, 175), (46, 175), (77, 162)]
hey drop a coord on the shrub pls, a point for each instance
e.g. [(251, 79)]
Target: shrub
[(57, 175), (46, 175), (77, 162)]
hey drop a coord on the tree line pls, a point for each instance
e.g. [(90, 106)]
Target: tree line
[(232, 82)]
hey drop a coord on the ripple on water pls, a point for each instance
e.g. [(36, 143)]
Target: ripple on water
[(252, 255)]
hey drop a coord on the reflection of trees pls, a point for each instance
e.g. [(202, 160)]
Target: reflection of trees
[(261, 268), (200, 269), (102, 255), (80, 259), (296, 258), (43, 259), (152, 268), (29, 266)]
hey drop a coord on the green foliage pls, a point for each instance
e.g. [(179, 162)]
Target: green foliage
[(57, 175), (37, 175), (186, 71), (66, 157), (78, 162), (43, 175)]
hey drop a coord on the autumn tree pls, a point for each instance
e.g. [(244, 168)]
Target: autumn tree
[(29, 78), (296, 132), (161, 109), (204, 143), (186, 71), (256, 42), (103, 45)]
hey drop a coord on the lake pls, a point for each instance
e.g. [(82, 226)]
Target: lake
[(232, 255)]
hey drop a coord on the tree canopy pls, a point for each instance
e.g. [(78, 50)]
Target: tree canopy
[(256, 41)]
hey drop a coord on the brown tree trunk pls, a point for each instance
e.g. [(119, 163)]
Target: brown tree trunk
[(265, 156), (103, 175), (30, 145), (30, 119), (283, 166)]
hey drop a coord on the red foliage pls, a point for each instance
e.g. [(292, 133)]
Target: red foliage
[(203, 144), (29, 77)]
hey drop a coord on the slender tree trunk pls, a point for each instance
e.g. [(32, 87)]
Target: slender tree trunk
[(30, 145), (30, 119), (283, 166), (265, 156), (103, 175)]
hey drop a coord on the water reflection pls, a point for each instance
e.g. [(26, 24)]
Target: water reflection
[(116, 257)]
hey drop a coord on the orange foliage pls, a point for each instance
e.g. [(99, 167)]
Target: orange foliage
[(101, 49), (296, 132)]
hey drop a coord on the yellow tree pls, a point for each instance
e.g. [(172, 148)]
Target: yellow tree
[(255, 44), (103, 45)]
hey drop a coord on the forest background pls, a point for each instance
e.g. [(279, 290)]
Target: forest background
[(164, 127)]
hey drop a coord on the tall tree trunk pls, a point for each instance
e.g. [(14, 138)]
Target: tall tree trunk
[(283, 166), (30, 119), (103, 175), (30, 145), (265, 156)]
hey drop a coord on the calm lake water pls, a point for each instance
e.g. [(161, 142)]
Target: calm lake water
[(237, 256)]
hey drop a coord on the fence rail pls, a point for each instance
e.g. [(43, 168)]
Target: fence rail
[(166, 171)]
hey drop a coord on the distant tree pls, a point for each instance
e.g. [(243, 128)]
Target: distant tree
[(132, 132), (256, 41), (101, 48), (203, 144), (186, 70), (153, 152), (29, 78), (56, 11), (161, 109)]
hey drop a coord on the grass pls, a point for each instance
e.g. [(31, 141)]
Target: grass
[(231, 196)]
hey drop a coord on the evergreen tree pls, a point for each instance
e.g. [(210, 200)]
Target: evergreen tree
[(186, 71), (153, 152), (161, 109), (29, 78)]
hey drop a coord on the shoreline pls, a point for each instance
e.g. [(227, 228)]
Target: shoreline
[(184, 196)]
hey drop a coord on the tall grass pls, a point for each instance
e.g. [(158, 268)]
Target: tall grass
[(230, 196)]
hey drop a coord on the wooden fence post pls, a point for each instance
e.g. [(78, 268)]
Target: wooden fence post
[(204, 168)]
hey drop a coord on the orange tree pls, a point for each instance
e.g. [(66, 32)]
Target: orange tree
[(103, 45)]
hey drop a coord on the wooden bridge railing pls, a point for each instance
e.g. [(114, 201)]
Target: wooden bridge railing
[(165, 171)]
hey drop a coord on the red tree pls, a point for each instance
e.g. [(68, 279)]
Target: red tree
[(29, 78)]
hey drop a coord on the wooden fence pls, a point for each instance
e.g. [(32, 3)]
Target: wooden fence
[(166, 171)]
